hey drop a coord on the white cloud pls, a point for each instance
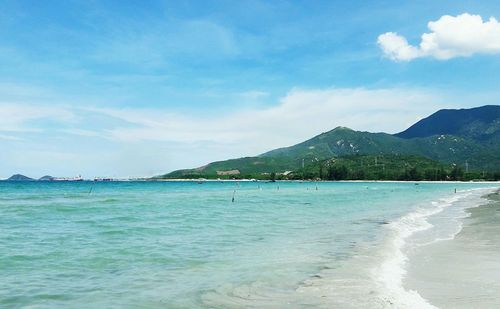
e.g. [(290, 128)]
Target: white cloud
[(18, 116), (140, 141), (450, 37), (299, 115), (397, 48), (296, 116)]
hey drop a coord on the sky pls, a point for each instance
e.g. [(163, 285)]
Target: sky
[(141, 88)]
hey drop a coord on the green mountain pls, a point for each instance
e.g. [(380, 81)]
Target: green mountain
[(474, 146), (478, 123), (479, 154)]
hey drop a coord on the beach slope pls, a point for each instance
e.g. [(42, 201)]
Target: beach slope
[(462, 272)]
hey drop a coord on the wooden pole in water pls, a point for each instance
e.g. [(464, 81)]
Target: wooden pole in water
[(234, 192)]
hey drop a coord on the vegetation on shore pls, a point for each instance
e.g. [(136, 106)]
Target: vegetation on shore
[(389, 167), (350, 167), (448, 145)]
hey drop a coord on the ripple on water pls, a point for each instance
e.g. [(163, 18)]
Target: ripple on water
[(184, 245)]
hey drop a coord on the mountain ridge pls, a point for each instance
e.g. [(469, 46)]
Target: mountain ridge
[(473, 122), (475, 146)]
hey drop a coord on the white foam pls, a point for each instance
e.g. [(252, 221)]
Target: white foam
[(390, 273)]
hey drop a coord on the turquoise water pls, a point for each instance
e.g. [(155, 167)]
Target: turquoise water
[(187, 245)]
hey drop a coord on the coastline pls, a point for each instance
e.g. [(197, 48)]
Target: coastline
[(318, 181), (461, 271), (221, 180)]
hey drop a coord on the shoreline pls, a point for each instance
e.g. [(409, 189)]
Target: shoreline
[(202, 180), (318, 181), (376, 276), (461, 271)]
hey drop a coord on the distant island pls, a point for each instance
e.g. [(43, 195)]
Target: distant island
[(450, 144), (19, 177)]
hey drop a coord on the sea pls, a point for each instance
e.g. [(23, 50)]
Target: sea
[(223, 244)]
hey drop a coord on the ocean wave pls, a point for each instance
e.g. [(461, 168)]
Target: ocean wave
[(390, 274)]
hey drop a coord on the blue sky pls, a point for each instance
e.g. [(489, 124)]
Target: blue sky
[(136, 88)]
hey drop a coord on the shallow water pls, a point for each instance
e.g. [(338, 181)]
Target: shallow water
[(461, 271), (186, 245)]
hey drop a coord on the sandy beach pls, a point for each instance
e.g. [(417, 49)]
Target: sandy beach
[(462, 272)]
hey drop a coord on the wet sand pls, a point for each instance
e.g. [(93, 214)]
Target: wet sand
[(463, 272)]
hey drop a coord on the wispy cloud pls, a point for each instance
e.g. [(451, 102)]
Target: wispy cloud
[(253, 94), (20, 117), (451, 36), (166, 42), (300, 114), (10, 138), (106, 139)]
